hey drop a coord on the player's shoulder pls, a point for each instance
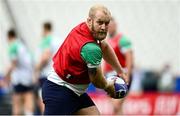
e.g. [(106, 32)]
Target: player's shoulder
[(91, 46), (14, 45), (91, 53), (91, 49)]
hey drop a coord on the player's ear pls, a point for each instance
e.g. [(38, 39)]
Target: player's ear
[(89, 21)]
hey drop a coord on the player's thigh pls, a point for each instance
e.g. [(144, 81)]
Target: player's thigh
[(92, 110), (29, 100), (16, 103), (58, 100), (17, 95), (87, 106)]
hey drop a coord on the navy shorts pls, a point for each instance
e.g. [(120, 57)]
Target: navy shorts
[(63, 101), (21, 88)]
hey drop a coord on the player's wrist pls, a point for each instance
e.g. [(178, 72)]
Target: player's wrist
[(124, 76), (123, 71), (106, 86)]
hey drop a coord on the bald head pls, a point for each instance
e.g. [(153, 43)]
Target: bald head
[(98, 21), (93, 10)]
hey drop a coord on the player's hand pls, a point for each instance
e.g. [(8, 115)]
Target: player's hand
[(125, 77), (110, 89)]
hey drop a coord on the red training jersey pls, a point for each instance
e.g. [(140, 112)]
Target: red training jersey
[(68, 63)]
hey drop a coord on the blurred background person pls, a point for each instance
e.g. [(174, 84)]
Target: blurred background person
[(167, 81), (20, 75), (150, 79), (44, 53), (123, 49)]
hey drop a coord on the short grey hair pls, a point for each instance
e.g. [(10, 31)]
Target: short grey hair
[(99, 7)]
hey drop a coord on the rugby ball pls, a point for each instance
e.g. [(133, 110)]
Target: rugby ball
[(119, 85)]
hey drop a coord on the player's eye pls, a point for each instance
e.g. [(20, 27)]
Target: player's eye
[(107, 23), (100, 22)]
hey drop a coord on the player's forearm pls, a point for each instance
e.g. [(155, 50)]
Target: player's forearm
[(45, 57), (110, 57), (8, 73), (10, 69), (97, 78), (129, 62), (100, 83), (43, 62), (40, 65)]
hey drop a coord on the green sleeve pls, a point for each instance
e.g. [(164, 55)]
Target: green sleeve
[(92, 54), (13, 51), (125, 44), (46, 42)]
